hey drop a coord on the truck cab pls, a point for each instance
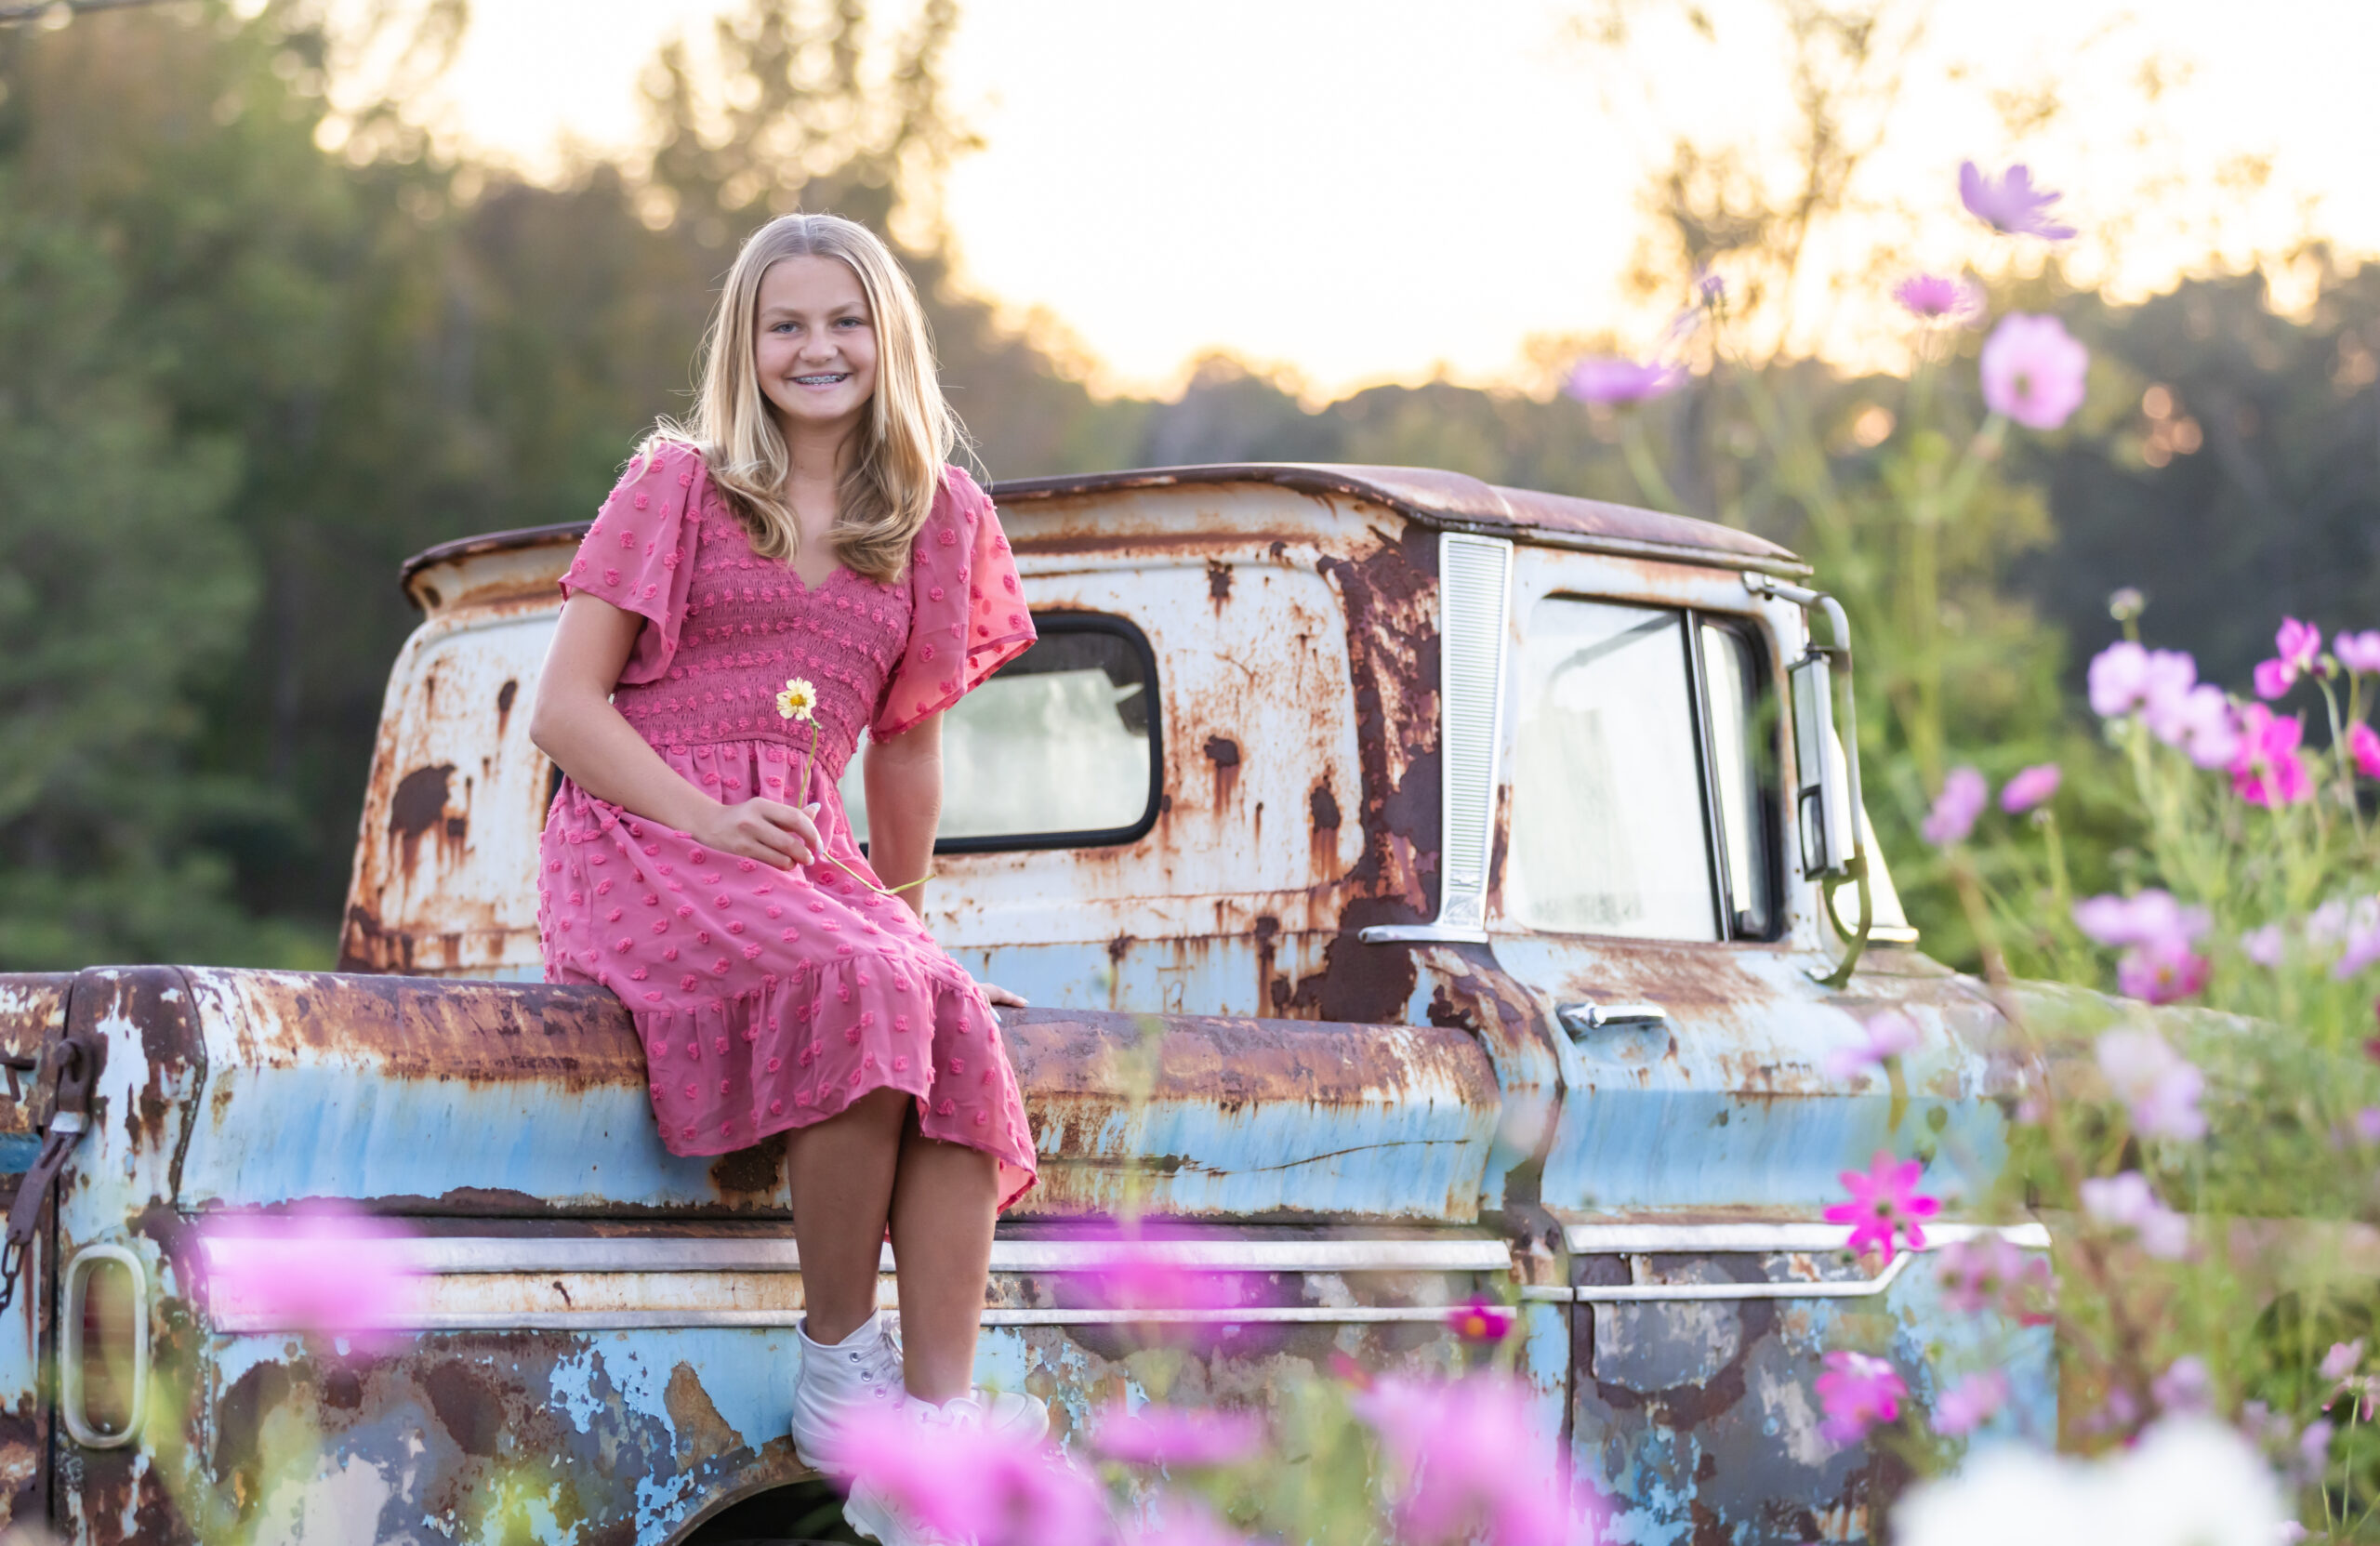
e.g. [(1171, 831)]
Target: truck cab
[(1417, 886)]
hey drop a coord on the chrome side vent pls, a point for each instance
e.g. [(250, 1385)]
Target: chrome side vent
[(1474, 596)]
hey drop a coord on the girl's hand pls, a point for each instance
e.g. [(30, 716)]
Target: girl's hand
[(775, 834), (1002, 995)]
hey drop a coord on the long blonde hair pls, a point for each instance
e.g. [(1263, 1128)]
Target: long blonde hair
[(889, 488)]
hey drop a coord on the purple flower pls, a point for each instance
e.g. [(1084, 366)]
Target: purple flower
[(2200, 722), (1970, 1404), (2009, 206), (2300, 646), (2152, 917), (2124, 1201), (1931, 298), (1177, 1436), (969, 1482), (1992, 1272), (2030, 788), (2033, 370), (1884, 1201), (2367, 1124), (2265, 946), (2184, 1387), (2126, 678), (2363, 745), (327, 1269), (2359, 652), (2160, 1085), (1857, 1391), (1884, 1035), (1601, 378), (2362, 939), (1470, 1463), (2165, 972), (1965, 794), (2343, 1359), (2268, 769)]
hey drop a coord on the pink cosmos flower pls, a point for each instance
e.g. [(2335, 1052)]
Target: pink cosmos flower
[(1964, 796), (2010, 205), (2362, 939), (2359, 652), (2343, 1359), (1178, 1436), (970, 1483), (2160, 1085), (2150, 918), (2339, 1365), (1970, 1404), (2265, 946), (1884, 1036), (2186, 1386), (1470, 1463), (1931, 298), (2124, 1201), (1993, 1273), (2030, 788), (1481, 1320), (1856, 1392), (2269, 769), (2300, 646), (1601, 378), (325, 1268), (2125, 678), (1149, 1267), (2363, 745), (2033, 372), (2165, 972), (1884, 1201), (2200, 721)]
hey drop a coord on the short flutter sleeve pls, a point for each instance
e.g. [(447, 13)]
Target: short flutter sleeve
[(639, 554), (966, 612)]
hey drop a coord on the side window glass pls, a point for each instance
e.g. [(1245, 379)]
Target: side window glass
[(1743, 731), (1607, 828), (1059, 749)]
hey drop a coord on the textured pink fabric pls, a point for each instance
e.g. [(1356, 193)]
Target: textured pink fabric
[(769, 999)]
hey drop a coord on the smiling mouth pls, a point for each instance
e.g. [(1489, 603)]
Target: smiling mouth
[(826, 379)]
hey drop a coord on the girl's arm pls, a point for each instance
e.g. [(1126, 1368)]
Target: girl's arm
[(575, 723), (903, 778)]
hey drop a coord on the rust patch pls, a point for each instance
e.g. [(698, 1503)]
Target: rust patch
[(752, 1170), (504, 699), (468, 1407), (419, 804), (1223, 752), (1218, 582), (702, 1434)]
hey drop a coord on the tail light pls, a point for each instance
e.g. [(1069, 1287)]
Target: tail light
[(103, 1367)]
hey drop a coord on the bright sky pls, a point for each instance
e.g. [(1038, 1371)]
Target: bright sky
[(1380, 190)]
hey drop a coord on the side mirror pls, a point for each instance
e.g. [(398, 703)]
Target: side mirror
[(1822, 801)]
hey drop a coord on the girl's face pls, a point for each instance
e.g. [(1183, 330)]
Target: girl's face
[(815, 349)]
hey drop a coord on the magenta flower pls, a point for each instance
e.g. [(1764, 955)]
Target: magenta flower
[(1884, 1201), (2160, 1085), (1147, 1267), (2150, 918), (1970, 1404), (2010, 205), (2030, 788), (1481, 1320), (1964, 796), (2165, 972), (2359, 652), (1884, 1036), (2269, 769), (2124, 1201), (2033, 372), (1600, 379), (2300, 646), (326, 1269), (1931, 298), (968, 1482), (1992, 1272), (2363, 745), (1856, 1392), (1178, 1436), (1470, 1463)]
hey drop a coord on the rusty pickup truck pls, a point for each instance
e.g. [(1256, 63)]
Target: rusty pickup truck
[(1463, 866)]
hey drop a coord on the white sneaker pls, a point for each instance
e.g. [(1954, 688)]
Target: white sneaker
[(873, 1516), (860, 1373)]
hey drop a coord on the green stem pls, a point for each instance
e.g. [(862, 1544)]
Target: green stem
[(1642, 464)]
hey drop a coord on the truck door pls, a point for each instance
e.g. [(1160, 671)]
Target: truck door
[(33, 1018)]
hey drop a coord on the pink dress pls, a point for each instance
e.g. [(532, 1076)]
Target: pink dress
[(768, 998)]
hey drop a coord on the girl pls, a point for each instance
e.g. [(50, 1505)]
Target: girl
[(796, 565)]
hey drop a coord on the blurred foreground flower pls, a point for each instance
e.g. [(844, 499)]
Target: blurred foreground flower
[(1187, 1523), (1884, 1035), (2363, 744), (1931, 298), (2159, 965), (2160, 1085), (1992, 1272), (1149, 1269), (1964, 796), (2185, 1388), (2033, 372), (1971, 1403), (2030, 788), (325, 1268), (1481, 1320), (1177, 1436), (967, 1482), (1856, 1392), (1884, 1201), (1469, 1463), (2010, 204), (2190, 1482), (2124, 1201), (2358, 652), (1603, 379)]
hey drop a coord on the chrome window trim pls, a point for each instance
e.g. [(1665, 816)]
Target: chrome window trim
[(633, 1320), (1685, 1239)]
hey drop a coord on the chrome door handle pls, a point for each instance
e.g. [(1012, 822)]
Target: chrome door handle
[(1581, 1019)]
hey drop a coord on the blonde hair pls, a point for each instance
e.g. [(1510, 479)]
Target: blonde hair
[(909, 433)]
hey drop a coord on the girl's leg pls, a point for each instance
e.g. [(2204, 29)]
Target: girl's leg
[(842, 1173), (943, 1203)]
